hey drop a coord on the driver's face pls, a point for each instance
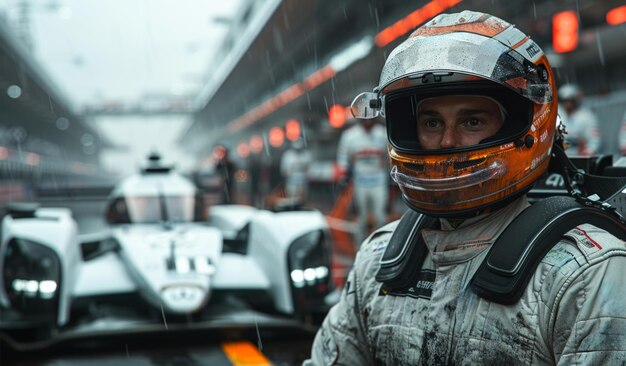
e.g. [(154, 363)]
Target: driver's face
[(456, 121)]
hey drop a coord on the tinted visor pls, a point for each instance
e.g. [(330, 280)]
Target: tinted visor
[(401, 111)]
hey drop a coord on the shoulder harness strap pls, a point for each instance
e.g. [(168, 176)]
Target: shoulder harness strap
[(405, 252), (513, 258)]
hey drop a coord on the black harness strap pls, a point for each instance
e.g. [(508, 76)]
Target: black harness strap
[(406, 251), (513, 258)]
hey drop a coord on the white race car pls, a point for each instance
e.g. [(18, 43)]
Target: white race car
[(161, 265)]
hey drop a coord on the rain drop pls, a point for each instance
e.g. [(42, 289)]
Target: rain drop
[(62, 123), (14, 91)]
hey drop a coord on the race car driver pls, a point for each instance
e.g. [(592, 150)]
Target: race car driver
[(470, 106)]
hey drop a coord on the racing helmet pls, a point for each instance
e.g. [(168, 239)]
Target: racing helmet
[(466, 54)]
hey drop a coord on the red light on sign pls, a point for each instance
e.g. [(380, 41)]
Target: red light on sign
[(243, 150), (256, 144), (565, 31), (219, 152), (337, 116), (32, 159), (412, 20), (616, 16), (292, 130), (315, 79), (277, 137)]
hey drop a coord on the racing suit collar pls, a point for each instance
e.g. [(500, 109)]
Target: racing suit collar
[(454, 245)]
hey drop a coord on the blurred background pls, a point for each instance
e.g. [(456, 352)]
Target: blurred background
[(90, 88), (224, 89)]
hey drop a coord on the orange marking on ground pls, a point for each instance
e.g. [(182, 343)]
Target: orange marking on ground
[(244, 353)]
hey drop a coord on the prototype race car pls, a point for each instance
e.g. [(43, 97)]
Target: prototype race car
[(161, 263)]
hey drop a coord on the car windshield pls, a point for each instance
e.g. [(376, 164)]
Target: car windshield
[(154, 209)]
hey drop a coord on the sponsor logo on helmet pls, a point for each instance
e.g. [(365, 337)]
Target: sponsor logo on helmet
[(538, 118), (532, 50), (536, 161)]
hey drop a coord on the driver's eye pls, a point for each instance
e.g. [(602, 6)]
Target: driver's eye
[(474, 123), (431, 123)]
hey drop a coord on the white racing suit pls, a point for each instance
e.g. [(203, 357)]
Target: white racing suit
[(365, 154), (294, 166), (573, 311)]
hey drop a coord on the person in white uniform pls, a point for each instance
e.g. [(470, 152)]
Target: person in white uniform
[(362, 154), (294, 166), (581, 124), (471, 119)]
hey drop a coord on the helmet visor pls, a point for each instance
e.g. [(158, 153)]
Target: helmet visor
[(455, 117)]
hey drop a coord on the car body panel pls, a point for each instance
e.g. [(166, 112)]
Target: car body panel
[(103, 276), (177, 273), (45, 224)]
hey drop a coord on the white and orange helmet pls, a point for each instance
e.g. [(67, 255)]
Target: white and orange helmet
[(475, 54)]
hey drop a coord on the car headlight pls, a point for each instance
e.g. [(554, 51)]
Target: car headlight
[(31, 277), (309, 270)]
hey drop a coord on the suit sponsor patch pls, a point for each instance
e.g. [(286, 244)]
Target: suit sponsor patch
[(581, 236), (379, 245), (422, 289)]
